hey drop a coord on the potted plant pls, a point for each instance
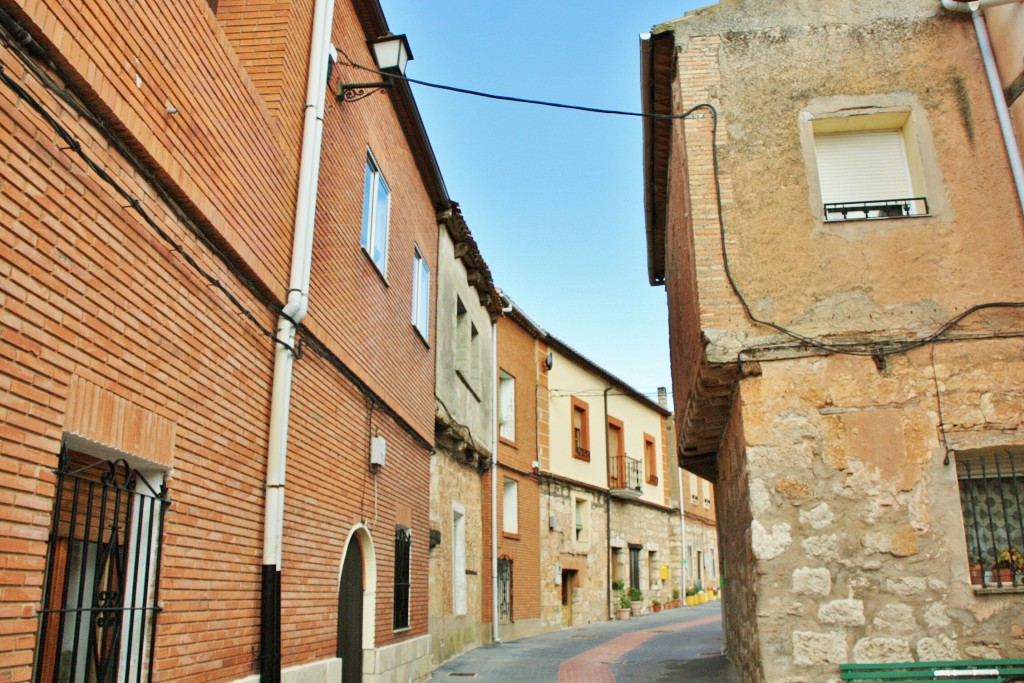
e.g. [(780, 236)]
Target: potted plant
[(636, 601), (622, 611), (691, 596), (617, 584), (977, 571), (1010, 560), (656, 605), (676, 600)]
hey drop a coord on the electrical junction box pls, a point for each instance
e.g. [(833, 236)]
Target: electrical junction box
[(378, 451)]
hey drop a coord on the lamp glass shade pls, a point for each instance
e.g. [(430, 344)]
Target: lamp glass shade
[(391, 53)]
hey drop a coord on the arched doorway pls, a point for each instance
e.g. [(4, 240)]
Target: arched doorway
[(350, 614)]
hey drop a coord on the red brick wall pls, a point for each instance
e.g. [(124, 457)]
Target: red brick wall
[(89, 292)]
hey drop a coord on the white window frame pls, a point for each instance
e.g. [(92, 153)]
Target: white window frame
[(510, 506), (506, 406), (374, 236), (420, 294)]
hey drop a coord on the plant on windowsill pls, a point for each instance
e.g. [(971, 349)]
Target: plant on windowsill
[(617, 584), (1009, 561)]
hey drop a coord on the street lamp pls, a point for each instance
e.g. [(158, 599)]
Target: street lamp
[(391, 53)]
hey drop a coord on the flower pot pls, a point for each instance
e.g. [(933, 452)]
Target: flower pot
[(977, 572), (678, 602), (691, 600), (622, 612), (656, 608), (702, 598), (636, 607)]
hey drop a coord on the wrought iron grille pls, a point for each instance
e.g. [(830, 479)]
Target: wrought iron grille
[(625, 473), (505, 591), (992, 499), (403, 550), (876, 209), (102, 573)]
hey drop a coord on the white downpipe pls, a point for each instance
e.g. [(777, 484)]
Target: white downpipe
[(495, 631), (1002, 111), (297, 304), (682, 529)]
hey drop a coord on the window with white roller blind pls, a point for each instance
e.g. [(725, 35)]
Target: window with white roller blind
[(867, 172)]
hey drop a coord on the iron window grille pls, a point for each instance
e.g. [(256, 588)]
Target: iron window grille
[(992, 500), (102, 573), (504, 591), (909, 207), (403, 552)]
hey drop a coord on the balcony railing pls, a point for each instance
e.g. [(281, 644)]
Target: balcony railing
[(877, 209), (625, 475)]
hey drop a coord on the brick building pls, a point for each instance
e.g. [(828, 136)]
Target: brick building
[(837, 221), (522, 442), (153, 181)]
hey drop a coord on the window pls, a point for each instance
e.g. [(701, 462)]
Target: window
[(992, 501), (694, 496), (705, 488), (101, 571), (510, 507), (653, 580), (581, 509), (580, 430), (403, 557), (504, 590), (420, 294), (458, 560), (467, 348), (634, 565), (651, 459), (868, 167), (506, 406), (376, 214)]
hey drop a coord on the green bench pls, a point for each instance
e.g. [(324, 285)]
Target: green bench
[(976, 671)]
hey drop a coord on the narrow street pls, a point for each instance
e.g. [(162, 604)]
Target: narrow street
[(674, 645)]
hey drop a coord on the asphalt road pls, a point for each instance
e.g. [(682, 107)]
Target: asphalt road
[(677, 646)]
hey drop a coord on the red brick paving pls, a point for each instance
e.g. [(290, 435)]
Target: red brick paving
[(592, 665)]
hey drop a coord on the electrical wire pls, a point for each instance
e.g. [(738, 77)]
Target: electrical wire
[(874, 348)]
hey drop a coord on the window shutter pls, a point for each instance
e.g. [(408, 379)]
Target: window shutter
[(862, 166)]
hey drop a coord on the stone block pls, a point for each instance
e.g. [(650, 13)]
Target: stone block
[(811, 648), (847, 612), (815, 581), (770, 544), (873, 650), (895, 618), (939, 648), (820, 517)]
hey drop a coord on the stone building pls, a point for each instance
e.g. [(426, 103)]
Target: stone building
[(700, 537), (164, 165), (604, 498), (467, 306), (837, 221)]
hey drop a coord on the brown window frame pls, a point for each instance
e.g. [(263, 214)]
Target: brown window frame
[(580, 447), (651, 458)]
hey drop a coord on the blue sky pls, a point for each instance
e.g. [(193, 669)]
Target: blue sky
[(554, 198)]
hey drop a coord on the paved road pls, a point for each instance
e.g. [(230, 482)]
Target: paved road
[(677, 646)]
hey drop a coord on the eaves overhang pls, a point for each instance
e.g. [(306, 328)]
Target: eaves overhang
[(657, 70)]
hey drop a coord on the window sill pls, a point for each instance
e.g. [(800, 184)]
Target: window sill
[(653, 481), (419, 335), (581, 454), (507, 441), (863, 219), (510, 536), (376, 268)]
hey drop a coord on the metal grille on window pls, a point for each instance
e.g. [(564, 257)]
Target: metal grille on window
[(992, 499), (505, 591), (102, 573), (403, 548)]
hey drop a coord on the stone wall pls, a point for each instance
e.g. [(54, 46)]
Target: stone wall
[(654, 529), (558, 547), (455, 484), (856, 525)]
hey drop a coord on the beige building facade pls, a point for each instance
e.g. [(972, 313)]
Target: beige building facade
[(838, 228)]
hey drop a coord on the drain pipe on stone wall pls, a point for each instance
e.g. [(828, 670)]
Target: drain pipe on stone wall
[(975, 8), (608, 507), (292, 314)]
